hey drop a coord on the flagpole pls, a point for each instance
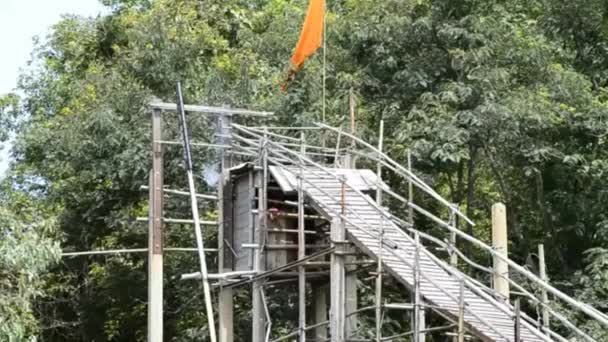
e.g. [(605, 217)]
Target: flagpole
[(324, 57)]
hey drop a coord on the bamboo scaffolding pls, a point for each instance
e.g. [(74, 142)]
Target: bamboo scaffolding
[(268, 151), (343, 217)]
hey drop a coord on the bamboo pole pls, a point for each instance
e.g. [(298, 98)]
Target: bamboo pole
[(517, 329), (410, 189), (195, 216), (544, 296), (379, 267), (453, 254), (417, 289), (301, 249), (461, 305)]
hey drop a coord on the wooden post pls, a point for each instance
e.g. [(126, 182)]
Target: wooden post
[(500, 244), (545, 297), (155, 234), (226, 301)]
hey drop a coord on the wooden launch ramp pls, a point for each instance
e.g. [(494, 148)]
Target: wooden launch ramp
[(440, 285)]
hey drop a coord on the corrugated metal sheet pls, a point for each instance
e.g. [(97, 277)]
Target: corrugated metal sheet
[(437, 286), (242, 219)]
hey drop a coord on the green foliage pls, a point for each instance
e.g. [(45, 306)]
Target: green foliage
[(26, 251), (9, 107)]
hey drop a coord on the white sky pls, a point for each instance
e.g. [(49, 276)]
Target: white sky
[(20, 21)]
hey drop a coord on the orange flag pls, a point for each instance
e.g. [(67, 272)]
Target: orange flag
[(312, 33), (310, 38)]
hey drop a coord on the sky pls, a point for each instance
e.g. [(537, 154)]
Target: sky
[(20, 21)]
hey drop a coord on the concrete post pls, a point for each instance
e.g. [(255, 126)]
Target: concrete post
[(155, 237), (337, 283), (226, 294)]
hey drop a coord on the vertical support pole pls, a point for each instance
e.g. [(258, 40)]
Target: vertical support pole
[(452, 222), (417, 315), (454, 263), (337, 155), (155, 234), (410, 189), (337, 305), (517, 332), (226, 301), (379, 267), (460, 335), (350, 291), (338, 274), (259, 319), (351, 106), (544, 297), (319, 297), (301, 246), (500, 244), (350, 160)]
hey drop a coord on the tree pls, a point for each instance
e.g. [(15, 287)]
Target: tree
[(497, 101), (27, 250)]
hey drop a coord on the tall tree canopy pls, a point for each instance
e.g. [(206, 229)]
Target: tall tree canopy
[(497, 100)]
